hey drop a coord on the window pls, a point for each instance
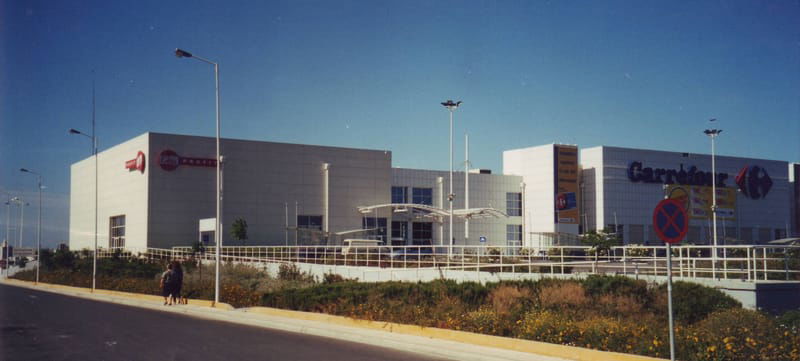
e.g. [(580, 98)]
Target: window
[(399, 233), (514, 204), (514, 233), (312, 222), (116, 231), (399, 195), (422, 233), (422, 196), (369, 223)]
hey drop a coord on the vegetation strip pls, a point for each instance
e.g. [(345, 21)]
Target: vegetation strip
[(616, 314)]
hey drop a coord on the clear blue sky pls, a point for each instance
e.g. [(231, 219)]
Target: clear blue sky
[(371, 74)]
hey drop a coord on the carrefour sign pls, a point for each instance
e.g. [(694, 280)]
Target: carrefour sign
[(692, 176), (753, 181)]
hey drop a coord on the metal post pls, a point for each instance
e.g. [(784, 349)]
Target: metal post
[(39, 231), (714, 197), (218, 224), (21, 223), (450, 194), (669, 303)]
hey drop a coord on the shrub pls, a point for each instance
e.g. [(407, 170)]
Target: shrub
[(566, 295), (739, 334), (504, 299), (790, 320), (692, 302)]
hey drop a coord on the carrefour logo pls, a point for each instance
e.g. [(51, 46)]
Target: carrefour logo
[(693, 176), (754, 182)]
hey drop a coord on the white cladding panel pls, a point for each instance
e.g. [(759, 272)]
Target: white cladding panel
[(485, 190), (260, 179), (535, 166), (121, 192), (633, 202)]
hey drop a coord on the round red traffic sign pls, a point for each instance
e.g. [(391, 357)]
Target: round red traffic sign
[(670, 221)]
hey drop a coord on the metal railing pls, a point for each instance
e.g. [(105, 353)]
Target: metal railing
[(751, 262)]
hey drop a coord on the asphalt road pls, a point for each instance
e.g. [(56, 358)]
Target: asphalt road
[(45, 326)]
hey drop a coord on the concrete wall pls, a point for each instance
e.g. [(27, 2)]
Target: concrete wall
[(120, 192)]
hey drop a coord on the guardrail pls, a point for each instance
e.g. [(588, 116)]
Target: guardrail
[(751, 262)]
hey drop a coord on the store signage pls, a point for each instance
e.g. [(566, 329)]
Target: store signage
[(754, 182), (565, 161), (638, 173), (168, 160), (137, 163)]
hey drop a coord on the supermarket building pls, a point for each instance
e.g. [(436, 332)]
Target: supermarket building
[(154, 190)]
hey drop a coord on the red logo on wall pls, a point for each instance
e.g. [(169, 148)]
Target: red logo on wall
[(169, 161), (137, 163)]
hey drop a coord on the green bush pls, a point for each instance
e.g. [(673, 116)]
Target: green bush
[(692, 302)]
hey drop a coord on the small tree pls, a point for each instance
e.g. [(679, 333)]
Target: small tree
[(601, 242), (239, 230)]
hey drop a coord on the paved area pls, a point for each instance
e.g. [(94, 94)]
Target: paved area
[(46, 326), (40, 325)]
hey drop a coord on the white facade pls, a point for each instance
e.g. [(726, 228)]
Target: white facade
[(612, 199), (159, 203)]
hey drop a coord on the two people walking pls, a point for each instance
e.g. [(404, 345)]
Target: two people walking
[(171, 283)]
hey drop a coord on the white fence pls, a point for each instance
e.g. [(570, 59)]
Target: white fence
[(724, 262)]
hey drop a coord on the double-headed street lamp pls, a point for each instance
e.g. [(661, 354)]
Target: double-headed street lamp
[(93, 138), (451, 106), (217, 236), (713, 133), (39, 227)]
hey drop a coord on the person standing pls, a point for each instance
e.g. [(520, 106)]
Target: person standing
[(166, 282), (176, 279)]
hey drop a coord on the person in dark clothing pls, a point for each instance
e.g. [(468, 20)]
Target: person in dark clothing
[(176, 280), (166, 283)]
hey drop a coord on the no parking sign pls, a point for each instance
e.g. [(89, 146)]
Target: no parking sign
[(670, 221)]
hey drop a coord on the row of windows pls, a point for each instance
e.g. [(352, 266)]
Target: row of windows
[(425, 196)]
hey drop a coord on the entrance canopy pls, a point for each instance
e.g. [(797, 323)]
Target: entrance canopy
[(422, 210)]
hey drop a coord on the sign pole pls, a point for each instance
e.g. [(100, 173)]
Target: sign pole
[(669, 303), (670, 222)]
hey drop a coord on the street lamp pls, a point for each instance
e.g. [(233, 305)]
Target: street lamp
[(22, 206), (93, 138), (713, 133), (451, 106), (217, 236), (39, 227)]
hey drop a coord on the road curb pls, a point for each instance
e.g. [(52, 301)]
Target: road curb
[(130, 295), (497, 342)]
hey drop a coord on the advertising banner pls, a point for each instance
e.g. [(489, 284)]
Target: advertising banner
[(698, 201), (566, 184)]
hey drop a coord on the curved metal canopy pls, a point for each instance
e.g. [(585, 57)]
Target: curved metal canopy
[(424, 210)]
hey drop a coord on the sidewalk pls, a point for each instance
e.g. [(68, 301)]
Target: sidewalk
[(433, 342)]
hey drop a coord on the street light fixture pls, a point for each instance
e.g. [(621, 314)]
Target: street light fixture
[(217, 236), (451, 106), (93, 138), (39, 227), (713, 133)]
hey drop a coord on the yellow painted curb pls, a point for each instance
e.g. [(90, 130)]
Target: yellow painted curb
[(138, 296), (514, 344)]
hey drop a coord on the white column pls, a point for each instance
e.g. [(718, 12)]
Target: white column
[(466, 187), (440, 181), (326, 196)]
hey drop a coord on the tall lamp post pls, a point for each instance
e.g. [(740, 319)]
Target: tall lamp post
[(451, 106), (713, 133), (217, 236), (93, 138), (39, 227)]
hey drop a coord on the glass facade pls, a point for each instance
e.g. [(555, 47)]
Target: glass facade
[(422, 196)]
